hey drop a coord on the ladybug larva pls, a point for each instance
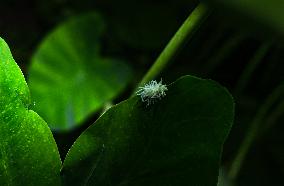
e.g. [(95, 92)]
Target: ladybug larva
[(152, 91)]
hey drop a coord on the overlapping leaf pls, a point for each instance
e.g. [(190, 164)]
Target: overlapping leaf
[(28, 152)]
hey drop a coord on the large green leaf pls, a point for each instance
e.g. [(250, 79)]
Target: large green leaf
[(68, 78), (266, 12), (176, 141), (28, 152)]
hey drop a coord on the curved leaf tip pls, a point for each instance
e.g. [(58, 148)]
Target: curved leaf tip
[(176, 141)]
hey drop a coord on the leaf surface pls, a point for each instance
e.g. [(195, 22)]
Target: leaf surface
[(68, 78), (28, 152), (176, 141)]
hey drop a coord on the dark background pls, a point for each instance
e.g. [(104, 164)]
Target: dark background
[(138, 31)]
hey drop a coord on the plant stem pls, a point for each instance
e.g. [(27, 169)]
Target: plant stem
[(250, 68), (210, 45), (273, 117), (226, 49), (253, 132), (185, 32)]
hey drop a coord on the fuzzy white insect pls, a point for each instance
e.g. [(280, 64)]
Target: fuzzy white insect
[(152, 91)]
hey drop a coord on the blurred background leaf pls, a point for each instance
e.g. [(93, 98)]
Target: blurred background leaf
[(69, 79), (261, 12)]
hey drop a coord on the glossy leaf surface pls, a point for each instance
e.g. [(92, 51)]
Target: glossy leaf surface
[(28, 152), (176, 141)]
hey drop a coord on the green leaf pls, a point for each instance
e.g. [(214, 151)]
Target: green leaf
[(68, 78), (269, 13), (176, 141), (28, 152)]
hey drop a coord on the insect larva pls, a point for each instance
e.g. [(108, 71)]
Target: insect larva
[(152, 91)]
